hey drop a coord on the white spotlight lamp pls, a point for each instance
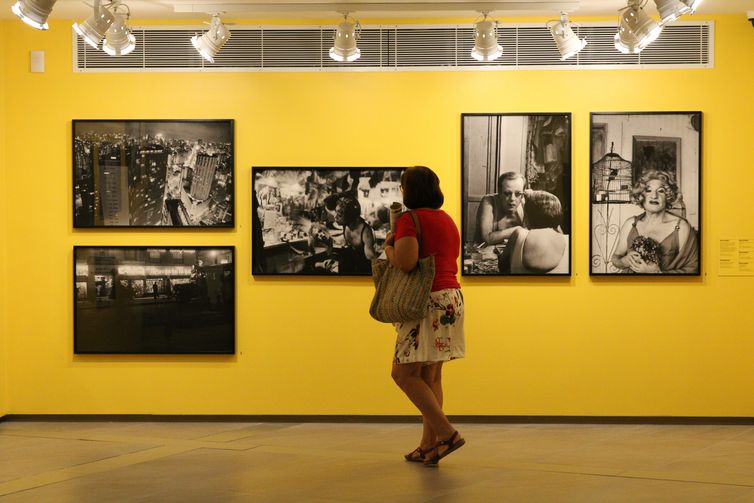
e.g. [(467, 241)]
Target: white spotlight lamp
[(670, 10), (486, 47), (209, 44), (692, 4), (93, 30), (566, 40), (346, 36), (119, 40), (33, 12), (636, 29)]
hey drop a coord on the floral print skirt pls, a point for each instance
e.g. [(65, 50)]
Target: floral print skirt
[(438, 337)]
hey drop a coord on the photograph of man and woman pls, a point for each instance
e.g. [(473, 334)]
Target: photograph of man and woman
[(321, 221), (516, 194), (645, 212)]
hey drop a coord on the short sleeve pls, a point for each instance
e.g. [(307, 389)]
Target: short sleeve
[(404, 226)]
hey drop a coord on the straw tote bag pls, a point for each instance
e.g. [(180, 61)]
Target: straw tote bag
[(401, 296)]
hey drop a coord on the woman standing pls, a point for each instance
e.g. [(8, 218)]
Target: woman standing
[(656, 241), (423, 346)]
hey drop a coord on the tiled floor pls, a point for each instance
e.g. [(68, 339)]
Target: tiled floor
[(269, 462)]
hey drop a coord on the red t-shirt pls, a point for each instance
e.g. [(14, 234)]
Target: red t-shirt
[(439, 237)]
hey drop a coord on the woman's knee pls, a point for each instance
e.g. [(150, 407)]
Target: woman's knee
[(432, 374), (402, 372)]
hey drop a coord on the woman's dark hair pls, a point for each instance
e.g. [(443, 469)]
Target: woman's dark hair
[(347, 211), (542, 210), (331, 202), (421, 188)]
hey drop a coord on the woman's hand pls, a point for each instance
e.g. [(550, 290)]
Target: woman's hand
[(637, 264), (390, 239)]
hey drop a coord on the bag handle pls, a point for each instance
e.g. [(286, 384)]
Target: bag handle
[(418, 226)]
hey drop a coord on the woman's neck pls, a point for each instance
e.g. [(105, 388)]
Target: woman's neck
[(655, 218)]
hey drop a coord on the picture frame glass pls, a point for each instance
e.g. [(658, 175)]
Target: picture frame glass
[(321, 221), (153, 173), (645, 193), (516, 172), (154, 300)]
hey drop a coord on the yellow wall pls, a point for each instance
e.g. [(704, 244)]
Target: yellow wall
[(3, 236), (578, 346)]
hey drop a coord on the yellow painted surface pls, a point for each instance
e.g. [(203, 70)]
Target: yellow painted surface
[(570, 346), (3, 237)]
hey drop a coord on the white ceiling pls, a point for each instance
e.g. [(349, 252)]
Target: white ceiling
[(502, 10)]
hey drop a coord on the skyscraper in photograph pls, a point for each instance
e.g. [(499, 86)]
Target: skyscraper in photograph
[(204, 174), (111, 177)]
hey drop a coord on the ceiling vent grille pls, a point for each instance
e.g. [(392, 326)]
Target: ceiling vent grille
[(396, 47)]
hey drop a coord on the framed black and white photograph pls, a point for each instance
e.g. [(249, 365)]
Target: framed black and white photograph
[(516, 194), (151, 173), (321, 221), (645, 193), (154, 300)]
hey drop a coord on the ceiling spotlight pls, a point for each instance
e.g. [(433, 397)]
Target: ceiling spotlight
[(486, 47), (670, 10), (119, 40), (346, 35), (636, 29), (93, 29), (692, 4), (211, 42), (33, 12), (566, 40)]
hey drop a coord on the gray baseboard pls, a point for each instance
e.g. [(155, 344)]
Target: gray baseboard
[(345, 418)]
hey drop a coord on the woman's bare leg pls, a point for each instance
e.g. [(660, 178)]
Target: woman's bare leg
[(408, 376), (432, 375)]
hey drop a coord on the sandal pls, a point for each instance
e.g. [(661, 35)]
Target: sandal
[(417, 455), (453, 443)]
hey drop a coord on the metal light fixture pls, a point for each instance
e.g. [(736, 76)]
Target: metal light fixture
[(670, 10), (33, 12), (636, 29), (93, 30), (346, 36), (119, 40), (566, 40), (692, 4), (486, 47), (209, 44)]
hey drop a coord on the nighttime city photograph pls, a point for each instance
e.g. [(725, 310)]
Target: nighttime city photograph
[(153, 300), (151, 173)]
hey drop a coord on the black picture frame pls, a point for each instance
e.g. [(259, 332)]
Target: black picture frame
[(633, 153), (153, 173), (294, 227), (537, 147), (154, 300)]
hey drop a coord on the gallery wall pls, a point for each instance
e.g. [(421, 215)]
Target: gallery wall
[(535, 346), (3, 237)]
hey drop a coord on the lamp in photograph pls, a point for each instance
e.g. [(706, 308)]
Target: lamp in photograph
[(210, 43), (636, 29), (33, 12), (346, 37), (670, 10), (119, 40), (486, 47), (93, 30), (568, 43)]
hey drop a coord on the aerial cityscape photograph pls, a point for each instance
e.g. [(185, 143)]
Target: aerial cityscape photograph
[(153, 173)]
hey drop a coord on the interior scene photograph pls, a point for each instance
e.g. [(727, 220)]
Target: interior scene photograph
[(257, 229)]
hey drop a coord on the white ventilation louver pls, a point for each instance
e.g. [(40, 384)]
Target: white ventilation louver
[(401, 47)]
